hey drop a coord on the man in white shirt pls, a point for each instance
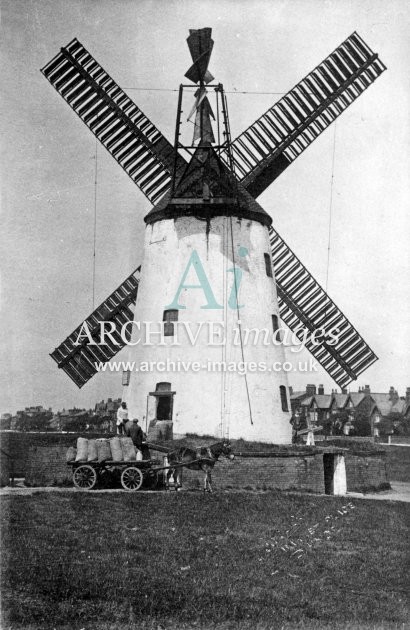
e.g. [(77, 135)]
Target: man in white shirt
[(122, 417)]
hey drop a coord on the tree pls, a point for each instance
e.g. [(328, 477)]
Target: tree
[(37, 422), (396, 423), (77, 423), (335, 423), (361, 425)]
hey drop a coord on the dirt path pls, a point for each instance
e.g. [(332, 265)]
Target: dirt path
[(400, 491)]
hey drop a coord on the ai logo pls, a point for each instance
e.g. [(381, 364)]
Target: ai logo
[(211, 302)]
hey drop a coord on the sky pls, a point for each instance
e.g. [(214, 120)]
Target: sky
[(48, 161)]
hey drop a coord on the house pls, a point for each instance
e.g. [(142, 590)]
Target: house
[(406, 409), (70, 420), (338, 401), (35, 418), (384, 411), (296, 399), (365, 412), (105, 414), (5, 421)]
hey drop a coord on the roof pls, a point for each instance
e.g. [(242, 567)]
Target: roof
[(296, 395), (307, 401), (383, 402), (373, 408), (225, 195), (323, 401), (356, 397), (340, 400), (383, 397), (399, 406), (384, 407)]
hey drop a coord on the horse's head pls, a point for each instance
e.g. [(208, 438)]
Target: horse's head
[(227, 450)]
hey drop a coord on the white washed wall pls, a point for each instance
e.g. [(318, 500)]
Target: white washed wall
[(206, 402)]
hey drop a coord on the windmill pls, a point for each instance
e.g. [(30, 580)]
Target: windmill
[(206, 219)]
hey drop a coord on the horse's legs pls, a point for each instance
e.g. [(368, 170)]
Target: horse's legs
[(178, 478), (167, 477), (210, 481), (207, 480)]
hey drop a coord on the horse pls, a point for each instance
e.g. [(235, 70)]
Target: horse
[(202, 458)]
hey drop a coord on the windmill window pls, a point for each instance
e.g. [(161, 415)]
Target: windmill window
[(283, 398), (169, 317), (268, 265), (126, 377), (276, 328)]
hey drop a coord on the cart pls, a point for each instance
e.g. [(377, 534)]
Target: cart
[(132, 475)]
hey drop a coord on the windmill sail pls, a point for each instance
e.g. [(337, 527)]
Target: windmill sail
[(260, 153), (304, 304), (264, 150), (78, 361), (131, 138)]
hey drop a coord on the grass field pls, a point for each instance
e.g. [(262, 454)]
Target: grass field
[(185, 560)]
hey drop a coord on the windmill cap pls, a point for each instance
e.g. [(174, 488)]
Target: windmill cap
[(204, 171)]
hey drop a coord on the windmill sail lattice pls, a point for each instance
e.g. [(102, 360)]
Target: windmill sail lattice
[(78, 361), (260, 154), (304, 304), (131, 138), (264, 150)]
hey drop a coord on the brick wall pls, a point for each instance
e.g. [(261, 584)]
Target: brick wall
[(5, 469), (269, 472), (46, 466), (339, 438), (366, 471), (17, 444), (363, 472), (42, 459)]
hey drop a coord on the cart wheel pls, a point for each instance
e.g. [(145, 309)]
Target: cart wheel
[(151, 479), (131, 478), (84, 477)]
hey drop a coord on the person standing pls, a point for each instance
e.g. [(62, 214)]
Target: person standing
[(296, 425), (122, 417), (134, 431)]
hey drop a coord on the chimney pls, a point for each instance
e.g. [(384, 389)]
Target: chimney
[(311, 390), (344, 390), (408, 394), (366, 389), (393, 395), (290, 390), (321, 390)]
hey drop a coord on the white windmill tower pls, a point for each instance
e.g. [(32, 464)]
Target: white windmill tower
[(207, 267), (210, 248)]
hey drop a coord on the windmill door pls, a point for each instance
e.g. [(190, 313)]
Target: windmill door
[(334, 474), (161, 402)]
